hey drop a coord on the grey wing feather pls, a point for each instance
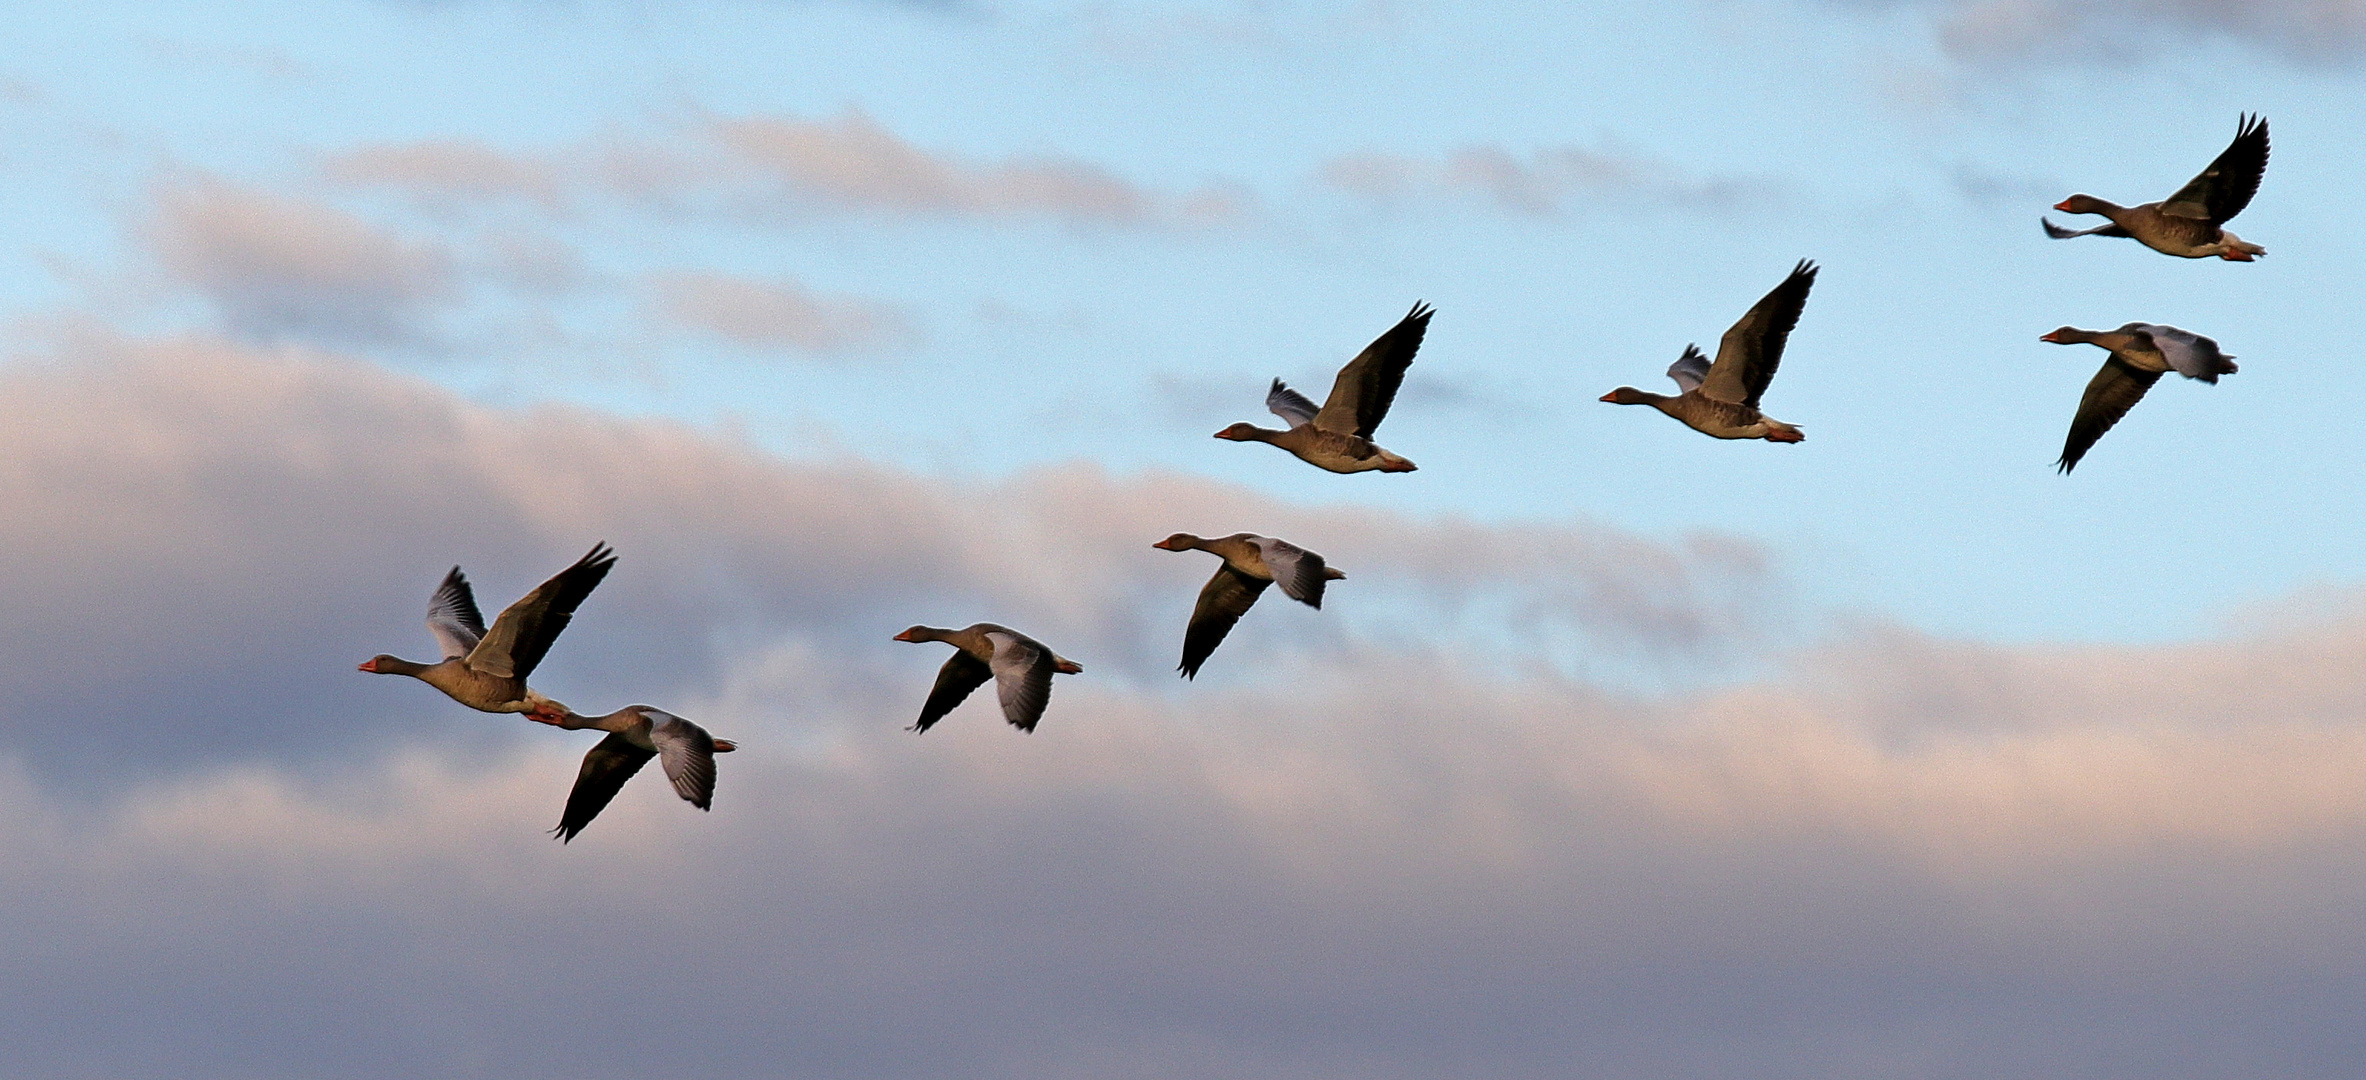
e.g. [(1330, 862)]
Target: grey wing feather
[(1290, 405), (1298, 571), (2226, 187), (1223, 601), (526, 629), (961, 675), (452, 616), (687, 753), (1367, 386), (1751, 351), (2060, 233), (1689, 369), (2190, 354), (1022, 678), (2114, 390), (605, 769)]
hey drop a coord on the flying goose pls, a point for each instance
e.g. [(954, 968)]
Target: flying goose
[(1020, 666), (1338, 436), (2188, 224), (637, 733), (2140, 353), (1251, 562), (486, 670), (1721, 399)]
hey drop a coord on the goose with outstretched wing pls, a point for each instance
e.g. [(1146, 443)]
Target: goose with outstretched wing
[(1338, 435), (2192, 223), (2140, 354), (1020, 667), (637, 733), (1721, 399), (486, 669), (1251, 562)]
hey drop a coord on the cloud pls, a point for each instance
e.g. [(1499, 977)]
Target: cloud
[(2012, 30), (462, 169), (762, 166), (217, 534), (1549, 181), (1382, 840), (777, 314), (279, 267)]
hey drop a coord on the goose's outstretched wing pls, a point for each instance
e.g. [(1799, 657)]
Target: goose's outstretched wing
[(2114, 390), (605, 769), (2226, 187), (1689, 369), (961, 675), (1022, 678), (1222, 602), (525, 630), (1290, 405), (687, 753), (1749, 353), (1367, 386), (452, 616)]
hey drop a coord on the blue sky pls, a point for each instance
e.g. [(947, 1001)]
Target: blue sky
[(1749, 135), (1622, 751)]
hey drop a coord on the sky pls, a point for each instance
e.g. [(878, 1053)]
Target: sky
[(1620, 751)]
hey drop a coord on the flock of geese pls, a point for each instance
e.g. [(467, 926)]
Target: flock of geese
[(486, 668)]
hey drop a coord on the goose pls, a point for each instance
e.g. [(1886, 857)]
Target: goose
[(2190, 223), (487, 670), (1251, 562), (1338, 436), (2140, 353), (1721, 399), (1020, 666), (637, 733)]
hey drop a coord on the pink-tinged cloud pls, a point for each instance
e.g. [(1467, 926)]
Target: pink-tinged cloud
[(854, 161), (1381, 840), (462, 169), (775, 314), (761, 166), (278, 266), (1549, 181)]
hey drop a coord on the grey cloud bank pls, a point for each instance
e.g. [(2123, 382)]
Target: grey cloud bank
[(1386, 854)]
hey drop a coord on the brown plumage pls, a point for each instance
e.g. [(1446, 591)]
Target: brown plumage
[(1251, 562), (487, 669), (2191, 223), (1721, 399), (1338, 436), (2140, 354), (637, 733), (1021, 667)]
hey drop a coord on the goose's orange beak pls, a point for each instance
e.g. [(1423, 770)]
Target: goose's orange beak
[(1611, 397), (370, 666), (2064, 206), (905, 636)]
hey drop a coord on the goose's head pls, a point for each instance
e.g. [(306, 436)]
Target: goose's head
[(2083, 204), (1243, 432), (1626, 395), (1178, 542)]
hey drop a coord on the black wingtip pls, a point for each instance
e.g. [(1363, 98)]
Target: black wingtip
[(2055, 231), (1421, 312)]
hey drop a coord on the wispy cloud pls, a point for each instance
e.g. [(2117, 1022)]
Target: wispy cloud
[(768, 165), (1547, 181), (777, 314), (278, 266), (1988, 31)]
